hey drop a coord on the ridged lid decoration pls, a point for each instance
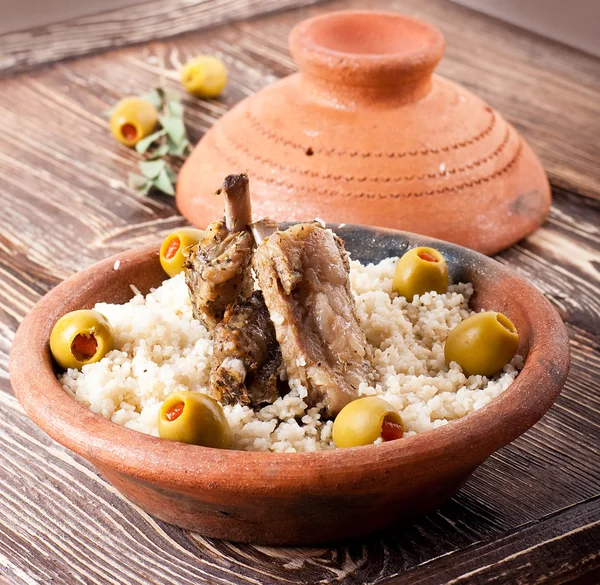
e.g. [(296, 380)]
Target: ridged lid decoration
[(367, 133)]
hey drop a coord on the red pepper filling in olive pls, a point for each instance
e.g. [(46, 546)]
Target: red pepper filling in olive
[(391, 430), (129, 131), (427, 257), (175, 411), (172, 248), (84, 347)]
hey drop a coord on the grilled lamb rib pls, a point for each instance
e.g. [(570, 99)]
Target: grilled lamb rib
[(218, 271), (303, 273), (246, 357)]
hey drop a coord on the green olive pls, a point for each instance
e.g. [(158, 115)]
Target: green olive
[(175, 248), (363, 421), (192, 417), (204, 76), (482, 344), (420, 270), (133, 119), (81, 337)]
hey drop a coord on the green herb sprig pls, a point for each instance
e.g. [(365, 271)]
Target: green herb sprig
[(169, 142)]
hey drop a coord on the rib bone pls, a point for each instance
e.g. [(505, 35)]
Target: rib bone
[(238, 207)]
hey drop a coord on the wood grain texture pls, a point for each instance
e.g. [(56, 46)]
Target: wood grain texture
[(529, 514), (153, 19), (568, 549)]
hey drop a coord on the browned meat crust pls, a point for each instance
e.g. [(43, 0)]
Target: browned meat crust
[(303, 273), (247, 357), (218, 271)]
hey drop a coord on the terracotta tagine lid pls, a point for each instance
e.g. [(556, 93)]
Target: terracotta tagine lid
[(366, 133)]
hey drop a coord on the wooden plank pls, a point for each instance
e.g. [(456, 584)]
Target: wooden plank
[(130, 25), (562, 259), (517, 557), (64, 205)]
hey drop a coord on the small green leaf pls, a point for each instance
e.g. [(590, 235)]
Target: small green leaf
[(136, 181), (152, 168), (172, 174), (159, 151), (139, 183), (156, 97), (147, 187), (163, 183), (174, 127), (143, 145), (178, 148), (175, 109)]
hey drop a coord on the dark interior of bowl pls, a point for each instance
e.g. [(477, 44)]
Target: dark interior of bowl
[(372, 245)]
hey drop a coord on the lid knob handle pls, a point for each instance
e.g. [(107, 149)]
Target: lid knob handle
[(376, 53)]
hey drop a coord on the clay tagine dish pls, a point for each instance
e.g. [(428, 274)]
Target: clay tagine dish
[(289, 498), (367, 133)]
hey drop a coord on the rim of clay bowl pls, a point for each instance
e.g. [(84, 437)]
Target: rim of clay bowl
[(184, 466)]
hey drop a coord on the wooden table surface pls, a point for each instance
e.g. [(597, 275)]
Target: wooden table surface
[(530, 513)]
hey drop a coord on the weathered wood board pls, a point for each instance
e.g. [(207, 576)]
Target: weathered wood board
[(531, 513)]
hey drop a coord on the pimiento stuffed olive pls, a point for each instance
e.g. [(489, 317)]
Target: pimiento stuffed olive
[(81, 337), (204, 76), (363, 421), (132, 119), (482, 344), (420, 270), (175, 248), (195, 418)]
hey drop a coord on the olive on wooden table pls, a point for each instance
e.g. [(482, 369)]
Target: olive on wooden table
[(204, 76), (132, 119)]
